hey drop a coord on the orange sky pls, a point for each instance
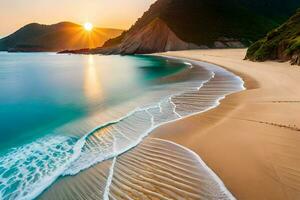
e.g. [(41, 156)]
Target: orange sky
[(102, 13)]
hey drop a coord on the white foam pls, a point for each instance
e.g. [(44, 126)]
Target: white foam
[(120, 135), (32, 168), (174, 106), (109, 180), (106, 153)]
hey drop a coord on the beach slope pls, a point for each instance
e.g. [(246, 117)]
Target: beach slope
[(251, 141)]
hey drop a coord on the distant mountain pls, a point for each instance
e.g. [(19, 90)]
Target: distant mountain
[(282, 43), (200, 24), (56, 37)]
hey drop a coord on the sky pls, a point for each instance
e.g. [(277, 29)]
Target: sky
[(102, 13)]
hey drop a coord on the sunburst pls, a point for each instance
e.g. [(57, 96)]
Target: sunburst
[(88, 26)]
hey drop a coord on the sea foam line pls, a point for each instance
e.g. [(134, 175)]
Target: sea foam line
[(109, 180), (174, 108), (147, 132), (83, 139), (153, 127), (49, 180), (203, 64)]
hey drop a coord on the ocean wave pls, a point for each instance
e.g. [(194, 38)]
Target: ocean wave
[(40, 163), (28, 170), (120, 136)]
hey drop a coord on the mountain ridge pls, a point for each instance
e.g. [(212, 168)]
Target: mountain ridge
[(55, 37), (210, 23)]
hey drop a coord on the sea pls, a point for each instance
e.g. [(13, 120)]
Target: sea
[(62, 114)]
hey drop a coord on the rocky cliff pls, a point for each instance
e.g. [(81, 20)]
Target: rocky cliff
[(154, 37)]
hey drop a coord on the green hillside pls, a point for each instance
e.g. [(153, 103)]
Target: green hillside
[(282, 43)]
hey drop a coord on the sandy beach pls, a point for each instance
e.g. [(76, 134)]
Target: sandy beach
[(251, 141)]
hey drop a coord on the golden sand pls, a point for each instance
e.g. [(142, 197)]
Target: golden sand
[(252, 140), (154, 170)]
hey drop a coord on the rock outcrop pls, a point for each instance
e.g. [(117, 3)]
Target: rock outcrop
[(295, 59), (154, 37)]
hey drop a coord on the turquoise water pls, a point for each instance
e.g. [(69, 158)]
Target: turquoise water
[(49, 101), (62, 114), (40, 92)]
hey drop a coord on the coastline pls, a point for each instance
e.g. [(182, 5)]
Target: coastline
[(250, 141), (212, 98), (255, 131)]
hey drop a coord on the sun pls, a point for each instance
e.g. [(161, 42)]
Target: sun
[(88, 26)]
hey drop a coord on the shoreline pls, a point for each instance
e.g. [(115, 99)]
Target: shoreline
[(219, 80), (245, 139)]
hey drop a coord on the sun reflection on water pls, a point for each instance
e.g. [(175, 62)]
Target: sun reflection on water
[(92, 85)]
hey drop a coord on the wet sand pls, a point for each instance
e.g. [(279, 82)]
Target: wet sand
[(252, 140), (154, 170)]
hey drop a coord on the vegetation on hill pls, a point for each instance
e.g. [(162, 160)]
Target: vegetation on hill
[(282, 43), (205, 22), (57, 37)]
